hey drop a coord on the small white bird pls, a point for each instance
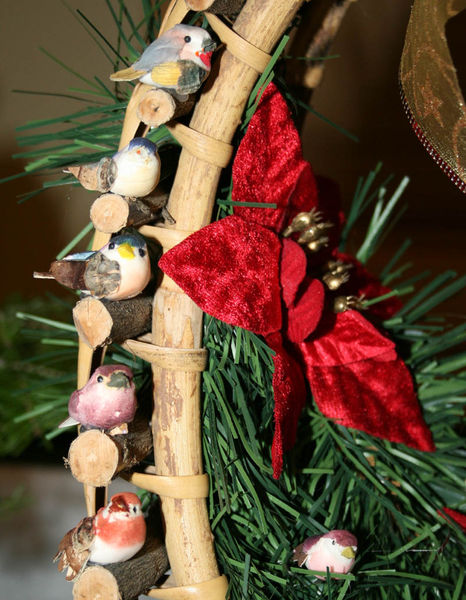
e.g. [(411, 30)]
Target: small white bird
[(115, 534), (119, 270), (178, 61), (133, 172), (335, 550)]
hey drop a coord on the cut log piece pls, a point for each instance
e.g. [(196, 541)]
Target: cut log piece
[(126, 580), (158, 107), (95, 457), (112, 212), (100, 322)]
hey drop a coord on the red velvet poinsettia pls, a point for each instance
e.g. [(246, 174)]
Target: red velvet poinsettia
[(242, 271)]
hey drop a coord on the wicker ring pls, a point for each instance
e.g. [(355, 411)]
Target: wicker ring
[(202, 146), (183, 486), (206, 590), (174, 359), (243, 50), (167, 238)]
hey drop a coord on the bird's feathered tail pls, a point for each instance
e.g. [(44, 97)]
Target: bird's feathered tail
[(127, 74)]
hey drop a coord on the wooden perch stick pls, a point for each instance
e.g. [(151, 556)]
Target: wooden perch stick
[(126, 580), (101, 322), (158, 107), (95, 458), (112, 212), (177, 320)]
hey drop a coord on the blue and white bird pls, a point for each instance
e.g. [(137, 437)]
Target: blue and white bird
[(119, 270), (133, 172)]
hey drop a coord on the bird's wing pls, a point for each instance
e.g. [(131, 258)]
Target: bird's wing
[(127, 74), (167, 74), (69, 273), (161, 51), (73, 551), (299, 555), (102, 276)]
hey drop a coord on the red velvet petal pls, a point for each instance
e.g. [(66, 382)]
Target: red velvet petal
[(344, 338), (231, 270), (289, 393), (373, 396), (293, 266), (457, 516), (269, 166), (305, 314)]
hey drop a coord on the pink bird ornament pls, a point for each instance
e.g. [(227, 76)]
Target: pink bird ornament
[(115, 534), (107, 401), (335, 550)]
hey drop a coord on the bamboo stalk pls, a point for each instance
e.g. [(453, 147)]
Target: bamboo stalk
[(177, 321)]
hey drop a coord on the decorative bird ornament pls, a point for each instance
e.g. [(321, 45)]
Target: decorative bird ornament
[(178, 61), (119, 270), (335, 550), (133, 172), (107, 401), (115, 534)]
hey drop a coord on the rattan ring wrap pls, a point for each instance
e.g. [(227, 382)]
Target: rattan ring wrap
[(176, 359), (254, 57), (185, 487), (167, 238), (207, 590), (202, 146)]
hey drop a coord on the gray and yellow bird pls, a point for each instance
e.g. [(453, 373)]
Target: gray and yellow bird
[(178, 61)]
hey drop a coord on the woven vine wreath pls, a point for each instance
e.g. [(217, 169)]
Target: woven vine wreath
[(175, 351)]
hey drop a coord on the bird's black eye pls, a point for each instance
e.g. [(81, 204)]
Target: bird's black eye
[(142, 252), (135, 509), (111, 245), (333, 542), (100, 379), (187, 38)]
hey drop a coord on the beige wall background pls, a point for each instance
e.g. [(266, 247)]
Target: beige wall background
[(359, 92)]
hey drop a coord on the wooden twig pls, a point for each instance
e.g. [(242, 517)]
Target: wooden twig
[(177, 321), (126, 580), (95, 457), (322, 21), (100, 322), (158, 107), (112, 212)]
